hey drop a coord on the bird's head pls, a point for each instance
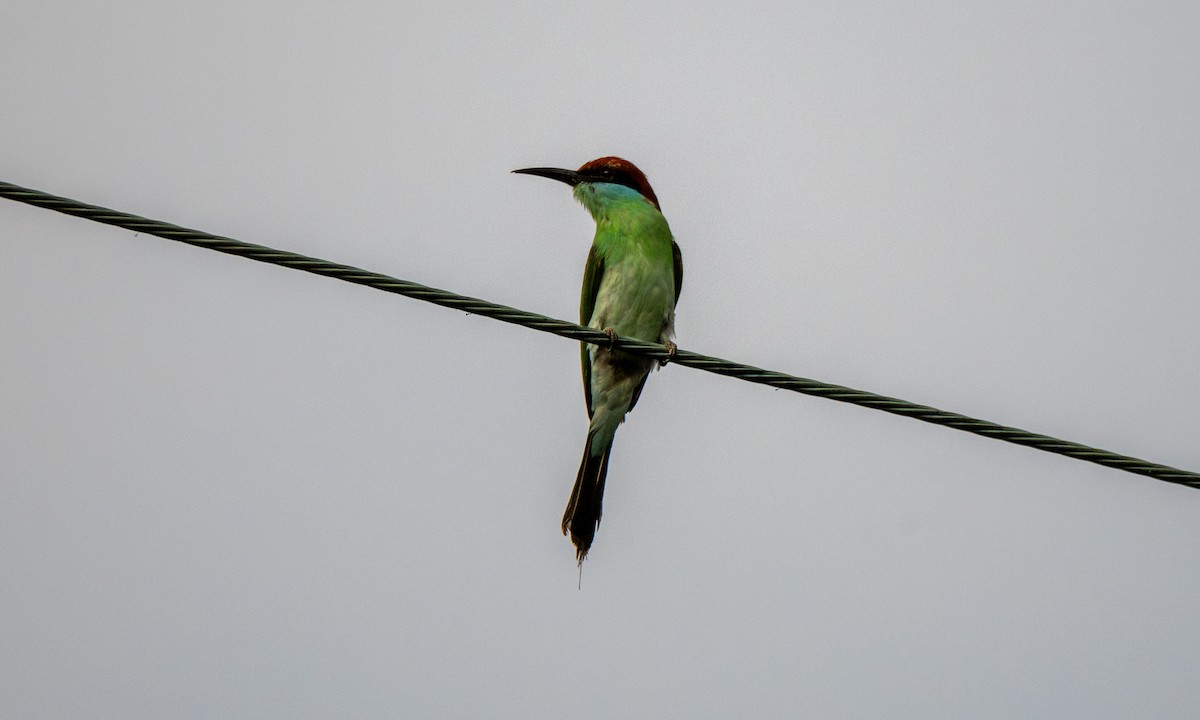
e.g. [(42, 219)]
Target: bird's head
[(611, 170)]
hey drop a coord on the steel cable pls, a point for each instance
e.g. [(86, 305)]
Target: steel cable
[(578, 332)]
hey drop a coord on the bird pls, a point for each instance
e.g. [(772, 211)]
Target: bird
[(631, 284)]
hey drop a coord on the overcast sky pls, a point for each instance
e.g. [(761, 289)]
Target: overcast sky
[(232, 490)]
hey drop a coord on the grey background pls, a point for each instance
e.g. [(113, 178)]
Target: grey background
[(235, 490)]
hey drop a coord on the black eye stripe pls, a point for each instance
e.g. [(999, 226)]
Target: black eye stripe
[(616, 177)]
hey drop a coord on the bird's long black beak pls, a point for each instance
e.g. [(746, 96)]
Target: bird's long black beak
[(569, 177)]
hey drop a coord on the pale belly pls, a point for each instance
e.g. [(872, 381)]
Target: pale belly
[(636, 299)]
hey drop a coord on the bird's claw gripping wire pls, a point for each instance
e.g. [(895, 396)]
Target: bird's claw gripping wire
[(671, 348), (612, 338)]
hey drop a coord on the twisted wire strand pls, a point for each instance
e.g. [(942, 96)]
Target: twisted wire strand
[(595, 337)]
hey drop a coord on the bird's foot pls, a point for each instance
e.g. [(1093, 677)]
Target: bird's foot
[(612, 338), (671, 348)]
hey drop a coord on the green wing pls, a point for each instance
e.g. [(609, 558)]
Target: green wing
[(592, 274)]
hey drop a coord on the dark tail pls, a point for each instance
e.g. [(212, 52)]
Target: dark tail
[(583, 510)]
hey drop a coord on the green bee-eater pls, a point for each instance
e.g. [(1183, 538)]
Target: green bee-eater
[(630, 286)]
